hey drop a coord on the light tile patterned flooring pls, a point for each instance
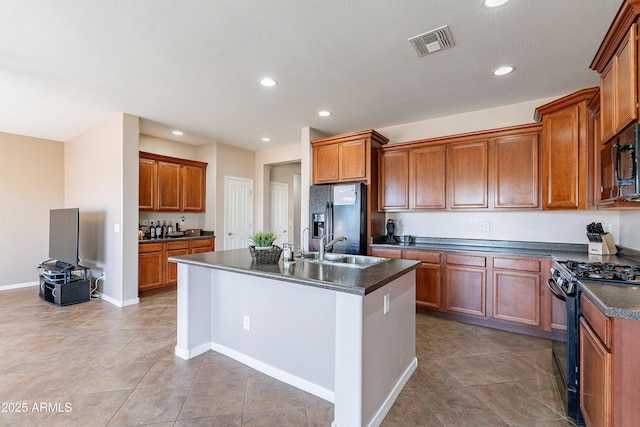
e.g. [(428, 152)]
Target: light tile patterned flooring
[(94, 364)]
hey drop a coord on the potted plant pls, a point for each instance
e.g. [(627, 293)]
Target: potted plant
[(263, 239)]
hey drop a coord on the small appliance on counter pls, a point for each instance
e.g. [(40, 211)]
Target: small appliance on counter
[(391, 228), (600, 243)]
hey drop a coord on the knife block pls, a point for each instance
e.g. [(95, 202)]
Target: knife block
[(606, 247)]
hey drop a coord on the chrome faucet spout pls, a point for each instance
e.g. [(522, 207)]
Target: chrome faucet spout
[(326, 247)]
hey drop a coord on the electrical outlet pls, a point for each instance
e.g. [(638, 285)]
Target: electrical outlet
[(385, 308), (145, 222), (486, 226), (607, 228), (246, 323), (182, 221)]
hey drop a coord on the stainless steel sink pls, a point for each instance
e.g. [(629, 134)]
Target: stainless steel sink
[(344, 260)]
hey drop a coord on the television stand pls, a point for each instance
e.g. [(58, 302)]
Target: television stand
[(60, 286)]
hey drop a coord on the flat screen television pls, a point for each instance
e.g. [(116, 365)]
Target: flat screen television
[(64, 230)]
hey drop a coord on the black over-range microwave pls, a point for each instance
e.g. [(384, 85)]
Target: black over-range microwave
[(627, 173)]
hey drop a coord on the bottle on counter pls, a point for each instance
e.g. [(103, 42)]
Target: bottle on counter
[(158, 231), (152, 231), (169, 229), (164, 229), (177, 226)]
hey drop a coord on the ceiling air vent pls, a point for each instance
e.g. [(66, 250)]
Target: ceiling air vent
[(432, 41)]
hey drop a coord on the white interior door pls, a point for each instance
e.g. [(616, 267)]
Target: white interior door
[(279, 211), (238, 212)]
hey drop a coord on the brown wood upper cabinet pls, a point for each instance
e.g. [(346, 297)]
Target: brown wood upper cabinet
[(171, 184), (565, 151), (344, 158), (618, 90), (496, 169)]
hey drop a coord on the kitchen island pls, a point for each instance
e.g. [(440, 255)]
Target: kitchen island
[(342, 333)]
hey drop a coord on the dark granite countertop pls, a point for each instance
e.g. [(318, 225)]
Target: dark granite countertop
[(614, 300), (360, 281), (556, 251)]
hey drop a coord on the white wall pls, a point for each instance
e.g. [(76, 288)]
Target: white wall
[(560, 227), (630, 229), (101, 178), (31, 183)]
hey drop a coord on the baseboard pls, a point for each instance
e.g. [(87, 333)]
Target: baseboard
[(187, 354), (19, 285), (388, 403), (276, 373), (118, 303)]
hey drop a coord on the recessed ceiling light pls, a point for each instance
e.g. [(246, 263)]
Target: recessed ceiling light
[(177, 132), (265, 139), (505, 69), (324, 113), (493, 3), (268, 82)]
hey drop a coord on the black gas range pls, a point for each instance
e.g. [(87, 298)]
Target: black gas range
[(563, 283)]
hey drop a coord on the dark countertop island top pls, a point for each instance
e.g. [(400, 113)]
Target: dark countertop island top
[(360, 281), (614, 300)]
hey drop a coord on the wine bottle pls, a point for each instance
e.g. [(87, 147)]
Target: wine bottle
[(152, 231)]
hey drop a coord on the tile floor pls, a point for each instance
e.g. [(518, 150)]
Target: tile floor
[(94, 364)]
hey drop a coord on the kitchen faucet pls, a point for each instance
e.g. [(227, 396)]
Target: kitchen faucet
[(325, 247), (302, 246)]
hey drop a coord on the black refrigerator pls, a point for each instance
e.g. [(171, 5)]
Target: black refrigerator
[(339, 210)]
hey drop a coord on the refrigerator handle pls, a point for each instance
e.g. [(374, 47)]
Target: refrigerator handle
[(328, 226)]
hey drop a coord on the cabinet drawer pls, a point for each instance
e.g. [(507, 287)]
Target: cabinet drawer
[(600, 323), (477, 261), (386, 253), (430, 257), (144, 248), (521, 264), (183, 244), (201, 243)]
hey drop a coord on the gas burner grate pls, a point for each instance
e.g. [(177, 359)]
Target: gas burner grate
[(605, 271)]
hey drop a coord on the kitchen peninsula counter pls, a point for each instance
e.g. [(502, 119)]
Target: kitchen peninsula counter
[(344, 334)]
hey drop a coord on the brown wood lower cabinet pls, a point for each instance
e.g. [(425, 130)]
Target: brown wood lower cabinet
[(609, 369), (516, 290), (428, 278), (465, 284), (154, 269), (151, 260), (503, 292)]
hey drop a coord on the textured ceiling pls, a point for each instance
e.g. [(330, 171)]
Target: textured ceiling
[(68, 65)]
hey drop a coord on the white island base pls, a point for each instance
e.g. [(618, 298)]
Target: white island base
[(339, 346)]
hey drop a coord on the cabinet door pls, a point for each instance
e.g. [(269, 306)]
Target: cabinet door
[(326, 163), (353, 160), (595, 378), (465, 284), (428, 278), (516, 167), (429, 286), (201, 245), (151, 261), (516, 296), (147, 198), (394, 180), (386, 253), (193, 188), (428, 178), (465, 289), (625, 81), (562, 162), (608, 188), (171, 268), (607, 103), (169, 186), (468, 175)]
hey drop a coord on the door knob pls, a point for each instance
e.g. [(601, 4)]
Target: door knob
[(230, 234)]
